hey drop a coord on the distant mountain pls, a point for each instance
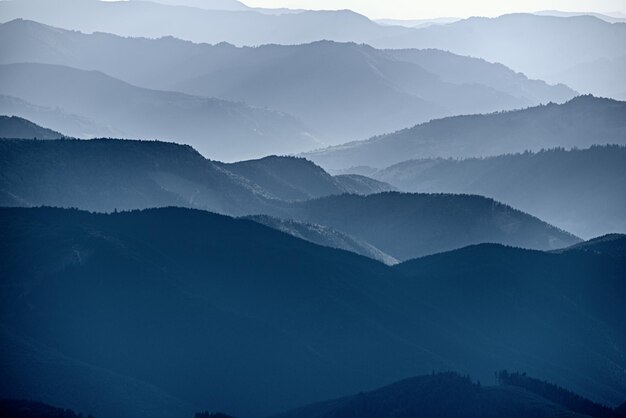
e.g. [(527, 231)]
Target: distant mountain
[(217, 128), (412, 225), (344, 91), (611, 18), (580, 191), (445, 395), (290, 178), (240, 27), (325, 236), (417, 23), (252, 321), (550, 45), (107, 175), (602, 77), (54, 118), (581, 122), (233, 5), (457, 69), (104, 175), (15, 127)]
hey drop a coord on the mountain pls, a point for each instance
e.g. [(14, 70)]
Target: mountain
[(54, 118), (240, 27), (252, 321), (344, 91), (233, 5), (110, 174), (412, 225), (602, 77), (105, 175), (325, 236), (363, 185), (577, 190), (582, 122), (457, 69), (218, 128), (291, 178), (15, 127), (444, 395), (610, 244), (608, 17), (481, 284), (550, 45)]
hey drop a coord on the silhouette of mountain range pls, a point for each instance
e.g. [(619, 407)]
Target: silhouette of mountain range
[(240, 27), (218, 128), (343, 91), (407, 225), (253, 321), (550, 46), (439, 395), (610, 244), (15, 127), (290, 178), (577, 190), (582, 122), (311, 205), (105, 175)]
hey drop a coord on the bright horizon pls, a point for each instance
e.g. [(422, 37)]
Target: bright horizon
[(411, 9)]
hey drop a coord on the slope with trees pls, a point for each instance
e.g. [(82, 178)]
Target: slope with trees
[(582, 122), (578, 190), (252, 321)]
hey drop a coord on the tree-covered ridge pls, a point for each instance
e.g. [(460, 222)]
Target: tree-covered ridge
[(581, 122), (238, 299), (442, 395), (16, 127), (556, 394), (579, 190), (14, 408), (108, 174)]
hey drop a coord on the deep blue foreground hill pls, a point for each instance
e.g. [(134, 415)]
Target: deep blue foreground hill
[(244, 319)]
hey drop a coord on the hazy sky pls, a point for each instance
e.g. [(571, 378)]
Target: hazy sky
[(416, 9)]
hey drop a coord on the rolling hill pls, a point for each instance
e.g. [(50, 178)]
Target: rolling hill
[(16, 127), (407, 225), (580, 191), (292, 178), (582, 122), (217, 128), (252, 321), (107, 175)]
